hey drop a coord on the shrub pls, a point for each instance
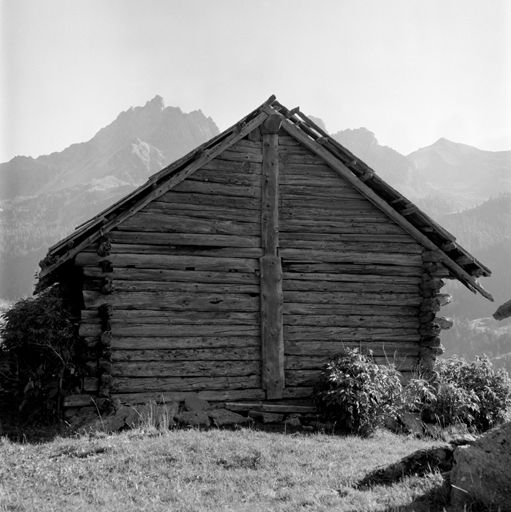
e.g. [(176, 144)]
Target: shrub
[(39, 348), (356, 393), (473, 393)]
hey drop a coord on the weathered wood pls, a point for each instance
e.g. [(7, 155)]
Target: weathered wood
[(186, 330), (134, 237), (405, 299), (267, 407), (255, 146), (352, 321), (149, 286), (241, 156), (383, 309), (178, 301), (299, 192), (350, 216), (302, 377), (161, 262), (331, 268), (199, 211), (361, 279), (412, 260), (169, 384), (79, 400), (333, 246), (301, 392), (186, 368), (200, 187), (141, 274), (379, 334), (302, 226), (331, 348), (272, 341), (405, 363), (90, 384), (160, 222), (444, 323), (207, 200), (204, 354), (342, 286), (503, 311), (186, 251), (179, 396), (185, 317), (402, 238), (218, 164), (181, 342)]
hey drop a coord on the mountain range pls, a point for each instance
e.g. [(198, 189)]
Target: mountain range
[(467, 190)]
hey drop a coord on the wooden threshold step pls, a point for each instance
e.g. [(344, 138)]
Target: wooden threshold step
[(268, 407)]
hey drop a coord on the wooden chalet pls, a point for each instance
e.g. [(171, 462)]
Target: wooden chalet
[(236, 271)]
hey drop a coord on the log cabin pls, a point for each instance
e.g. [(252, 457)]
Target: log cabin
[(239, 269)]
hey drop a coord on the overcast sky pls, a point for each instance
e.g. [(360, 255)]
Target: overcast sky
[(411, 71)]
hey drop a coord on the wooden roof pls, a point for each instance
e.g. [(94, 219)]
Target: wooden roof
[(462, 265)]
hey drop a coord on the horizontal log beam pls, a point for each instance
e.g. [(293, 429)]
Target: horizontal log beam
[(174, 354), (177, 343)]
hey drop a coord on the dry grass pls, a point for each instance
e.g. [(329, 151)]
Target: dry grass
[(188, 470)]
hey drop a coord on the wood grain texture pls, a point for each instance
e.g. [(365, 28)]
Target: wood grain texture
[(331, 348), (207, 200), (169, 384), (404, 363), (203, 354), (162, 262), (176, 301), (182, 342), (353, 321), (218, 164), (186, 368), (141, 237), (272, 340), (383, 309), (185, 276), (186, 330), (400, 299)]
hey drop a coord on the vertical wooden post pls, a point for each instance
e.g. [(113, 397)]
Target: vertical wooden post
[(272, 337)]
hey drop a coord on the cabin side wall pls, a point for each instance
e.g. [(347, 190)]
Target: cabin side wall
[(352, 277), (182, 278)]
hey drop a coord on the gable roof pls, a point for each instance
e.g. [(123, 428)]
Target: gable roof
[(462, 265)]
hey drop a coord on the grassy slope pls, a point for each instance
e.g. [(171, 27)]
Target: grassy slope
[(188, 470)]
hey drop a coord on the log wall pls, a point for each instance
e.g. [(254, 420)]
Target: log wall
[(181, 281), (352, 277)]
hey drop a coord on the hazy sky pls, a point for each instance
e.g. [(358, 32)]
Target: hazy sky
[(411, 71)]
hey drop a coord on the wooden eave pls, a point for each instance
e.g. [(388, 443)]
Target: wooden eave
[(461, 264)]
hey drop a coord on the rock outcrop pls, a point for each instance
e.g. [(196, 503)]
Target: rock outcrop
[(482, 471)]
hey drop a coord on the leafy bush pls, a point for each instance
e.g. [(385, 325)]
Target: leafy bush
[(39, 348), (473, 393), (356, 393)]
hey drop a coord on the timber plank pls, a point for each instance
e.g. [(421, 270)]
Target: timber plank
[(409, 281), (292, 192), (161, 222), (203, 354), (140, 274), (227, 177), (193, 342), (217, 164), (172, 262), (340, 286), (179, 396), (412, 260), (168, 384), (186, 250), (301, 377), (201, 212), (186, 368), (300, 226), (218, 200), (350, 246), (170, 300), (184, 317), (158, 330), (200, 187), (347, 216), (242, 156), (382, 309), (401, 238), (330, 268), (401, 299), (352, 321), (248, 144), (130, 237), (331, 348), (306, 333), (149, 286)]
